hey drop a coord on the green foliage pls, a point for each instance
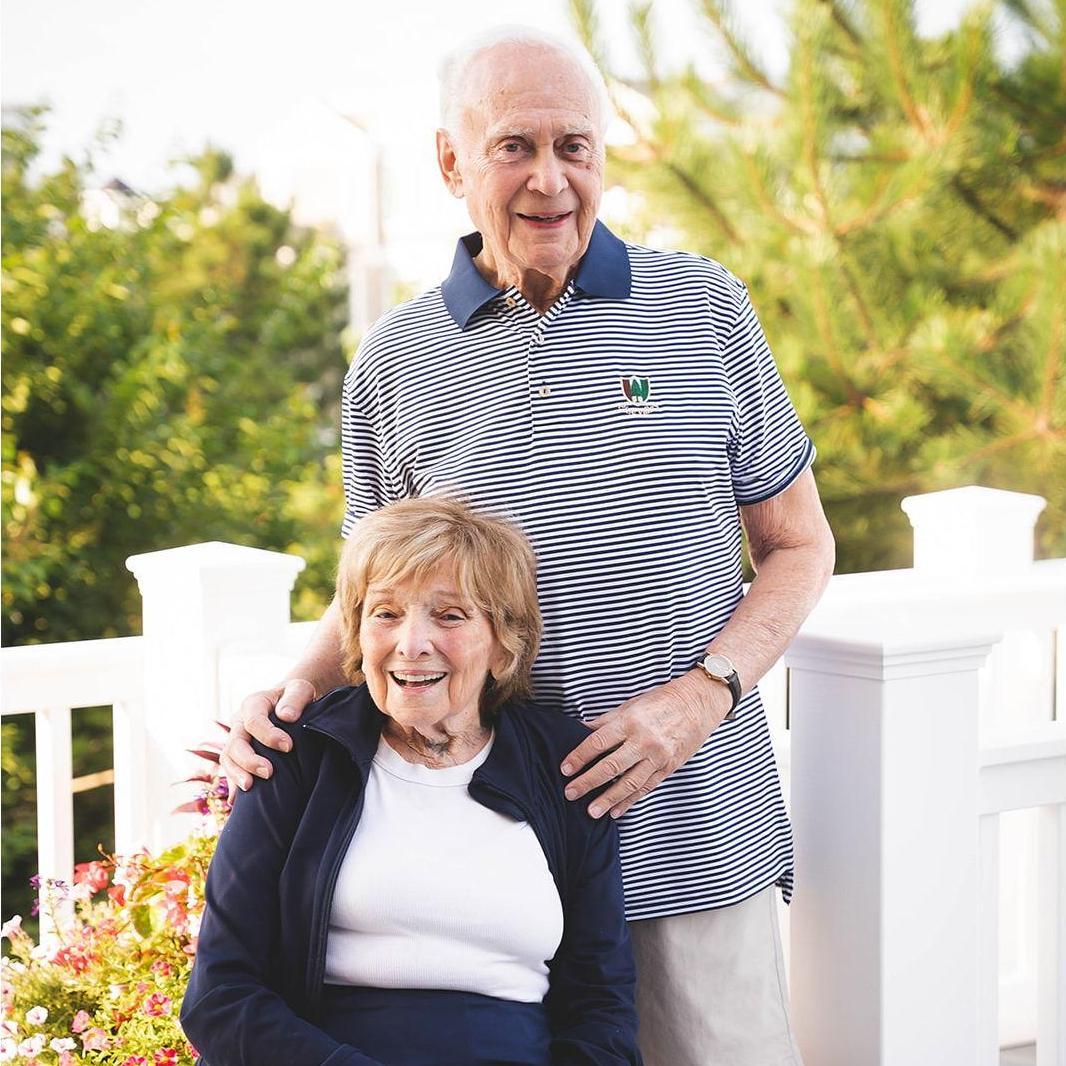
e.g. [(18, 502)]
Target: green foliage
[(897, 206), (171, 375)]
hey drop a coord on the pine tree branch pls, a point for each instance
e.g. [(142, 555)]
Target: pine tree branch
[(1052, 366), (895, 63), (701, 196), (970, 198), (768, 204), (586, 23), (640, 16), (855, 396), (860, 301), (694, 85), (715, 12), (843, 22)]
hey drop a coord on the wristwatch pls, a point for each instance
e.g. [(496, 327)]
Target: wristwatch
[(721, 668)]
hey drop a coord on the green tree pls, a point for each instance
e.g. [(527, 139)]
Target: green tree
[(897, 206), (171, 374)]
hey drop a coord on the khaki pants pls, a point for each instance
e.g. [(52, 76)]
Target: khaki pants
[(711, 987)]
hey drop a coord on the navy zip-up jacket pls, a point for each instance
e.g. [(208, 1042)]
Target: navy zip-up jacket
[(256, 986)]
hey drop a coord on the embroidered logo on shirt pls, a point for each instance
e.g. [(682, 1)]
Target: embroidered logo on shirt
[(636, 390)]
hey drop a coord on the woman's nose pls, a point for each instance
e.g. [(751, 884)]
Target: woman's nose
[(414, 637)]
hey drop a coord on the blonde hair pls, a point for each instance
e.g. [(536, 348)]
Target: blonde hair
[(494, 567)]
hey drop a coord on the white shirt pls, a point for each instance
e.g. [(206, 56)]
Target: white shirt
[(437, 891)]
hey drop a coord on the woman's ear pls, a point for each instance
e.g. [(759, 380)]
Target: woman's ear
[(501, 664)]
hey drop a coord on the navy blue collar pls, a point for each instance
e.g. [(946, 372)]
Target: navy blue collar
[(348, 716), (603, 271)]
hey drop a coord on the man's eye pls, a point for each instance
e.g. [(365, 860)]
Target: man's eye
[(512, 147), (574, 148), (453, 616)]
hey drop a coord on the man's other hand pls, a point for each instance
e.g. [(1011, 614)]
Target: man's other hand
[(239, 760), (645, 740)]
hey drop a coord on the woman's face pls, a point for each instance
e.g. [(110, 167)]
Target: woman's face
[(427, 651)]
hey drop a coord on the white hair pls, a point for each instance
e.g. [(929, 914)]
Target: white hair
[(454, 66)]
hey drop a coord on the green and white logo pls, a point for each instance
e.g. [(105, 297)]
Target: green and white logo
[(636, 390)]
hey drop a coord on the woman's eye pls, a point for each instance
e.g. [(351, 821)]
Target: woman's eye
[(453, 616)]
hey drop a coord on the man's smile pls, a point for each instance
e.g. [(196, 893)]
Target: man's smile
[(545, 220)]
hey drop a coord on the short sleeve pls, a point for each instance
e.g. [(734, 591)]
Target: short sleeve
[(368, 481), (769, 448)]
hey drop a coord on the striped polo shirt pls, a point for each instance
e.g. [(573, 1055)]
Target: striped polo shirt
[(622, 430)]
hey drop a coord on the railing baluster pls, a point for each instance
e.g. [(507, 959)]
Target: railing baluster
[(55, 803), (988, 971), (131, 802), (1051, 958)]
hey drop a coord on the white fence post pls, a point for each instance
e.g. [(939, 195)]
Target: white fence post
[(973, 531), (885, 944), (197, 599)]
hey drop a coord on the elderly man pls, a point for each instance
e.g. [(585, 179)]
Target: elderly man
[(623, 404)]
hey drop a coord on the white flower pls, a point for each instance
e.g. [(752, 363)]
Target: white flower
[(37, 1016), (62, 1043), (8, 1049), (11, 926), (32, 1045), (8, 1027), (81, 891)]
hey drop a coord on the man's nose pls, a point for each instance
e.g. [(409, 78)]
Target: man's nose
[(414, 637), (548, 177)]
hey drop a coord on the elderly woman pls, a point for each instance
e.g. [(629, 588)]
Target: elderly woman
[(411, 887)]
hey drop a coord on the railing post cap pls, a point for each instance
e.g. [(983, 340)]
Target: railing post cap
[(964, 504), (876, 651), (212, 555)]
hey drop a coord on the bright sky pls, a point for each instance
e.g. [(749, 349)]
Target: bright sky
[(282, 86)]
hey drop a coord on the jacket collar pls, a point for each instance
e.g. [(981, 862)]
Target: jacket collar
[(349, 716), (603, 272)]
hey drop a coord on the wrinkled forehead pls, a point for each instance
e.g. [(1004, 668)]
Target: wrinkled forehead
[(530, 83)]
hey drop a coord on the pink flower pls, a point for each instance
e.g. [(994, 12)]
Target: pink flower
[(66, 1059), (93, 874), (134, 1060), (95, 1040), (157, 1005), (168, 1056), (162, 967), (81, 1022)]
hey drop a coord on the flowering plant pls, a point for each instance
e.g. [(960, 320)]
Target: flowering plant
[(105, 983)]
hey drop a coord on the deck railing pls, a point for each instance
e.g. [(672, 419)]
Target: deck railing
[(918, 723)]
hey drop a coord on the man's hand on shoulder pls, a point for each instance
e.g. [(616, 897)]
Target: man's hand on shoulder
[(645, 740), (239, 760)]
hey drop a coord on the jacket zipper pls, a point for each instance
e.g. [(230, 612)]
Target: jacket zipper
[(316, 960)]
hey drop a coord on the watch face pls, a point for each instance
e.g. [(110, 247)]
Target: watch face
[(718, 665)]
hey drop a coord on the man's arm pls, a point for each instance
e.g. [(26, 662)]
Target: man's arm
[(648, 737), (317, 672)]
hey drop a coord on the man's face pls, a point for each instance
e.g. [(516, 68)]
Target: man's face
[(528, 157)]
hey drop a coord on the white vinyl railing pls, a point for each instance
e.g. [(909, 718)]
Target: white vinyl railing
[(917, 720)]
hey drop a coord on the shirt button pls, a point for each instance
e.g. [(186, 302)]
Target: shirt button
[(544, 390), (511, 302)]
